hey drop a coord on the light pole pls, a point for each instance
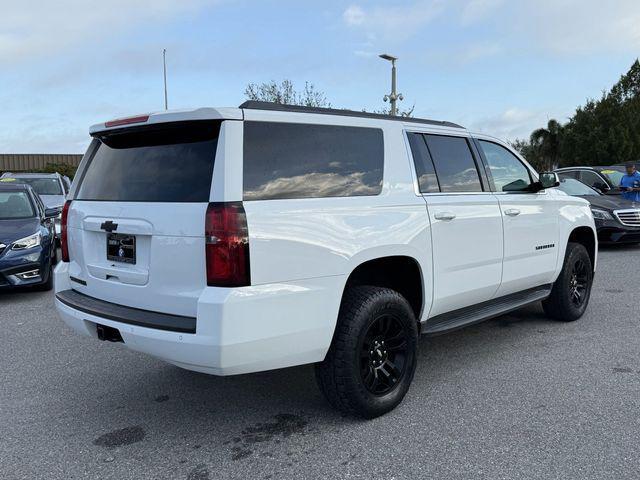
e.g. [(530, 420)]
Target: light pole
[(164, 68), (394, 96)]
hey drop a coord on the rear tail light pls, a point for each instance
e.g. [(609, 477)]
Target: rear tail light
[(64, 245), (227, 245)]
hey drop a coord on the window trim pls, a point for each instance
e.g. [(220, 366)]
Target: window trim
[(86, 160), (487, 167), (414, 169), (416, 186), (39, 205), (484, 174), (65, 190), (474, 155)]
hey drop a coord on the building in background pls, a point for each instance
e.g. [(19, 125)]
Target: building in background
[(65, 164)]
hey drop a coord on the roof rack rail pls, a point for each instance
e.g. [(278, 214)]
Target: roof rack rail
[(278, 107)]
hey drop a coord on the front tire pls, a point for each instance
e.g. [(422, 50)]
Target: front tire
[(571, 291), (48, 284), (372, 358)]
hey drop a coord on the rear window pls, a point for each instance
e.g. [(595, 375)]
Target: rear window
[(43, 186), (290, 160), (165, 163)]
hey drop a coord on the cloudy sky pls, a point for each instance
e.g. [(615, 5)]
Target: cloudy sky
[(499, 66)]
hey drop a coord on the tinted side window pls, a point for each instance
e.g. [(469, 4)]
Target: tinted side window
[(454, 164), (508, 172), (291, 160), (590, 178), (427, 179)]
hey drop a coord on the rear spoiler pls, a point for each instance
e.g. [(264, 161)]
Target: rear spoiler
[(169, 116)]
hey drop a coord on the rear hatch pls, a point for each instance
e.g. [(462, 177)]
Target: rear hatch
[(136, 222)]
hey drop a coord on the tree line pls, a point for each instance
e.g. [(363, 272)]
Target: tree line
[(602, 132), (285, 93)]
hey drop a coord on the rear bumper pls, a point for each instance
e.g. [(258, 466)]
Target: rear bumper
[(237, 330), (130, 316)]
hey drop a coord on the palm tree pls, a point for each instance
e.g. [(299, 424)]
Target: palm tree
[(547, 143)]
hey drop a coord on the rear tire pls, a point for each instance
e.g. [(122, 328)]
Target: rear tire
[(372, 358), (571, 291)]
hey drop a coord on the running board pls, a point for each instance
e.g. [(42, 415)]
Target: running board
[(456, 319)]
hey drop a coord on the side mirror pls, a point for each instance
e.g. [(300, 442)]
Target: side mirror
[(51, 212), (548, 180)]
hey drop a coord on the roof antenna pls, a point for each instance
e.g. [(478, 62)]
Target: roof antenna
[(164, 67)]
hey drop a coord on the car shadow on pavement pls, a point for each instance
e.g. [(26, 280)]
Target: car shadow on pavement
[(624, 247), (127, 408), (259, 413), (20, 294)]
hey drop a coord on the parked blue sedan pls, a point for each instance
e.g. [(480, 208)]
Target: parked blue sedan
[(27, 245)]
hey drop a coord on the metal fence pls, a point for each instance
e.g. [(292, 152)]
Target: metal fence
[(24, 162)]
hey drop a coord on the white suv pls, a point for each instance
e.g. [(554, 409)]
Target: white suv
[(236, 240)]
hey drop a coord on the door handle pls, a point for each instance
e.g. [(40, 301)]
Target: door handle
[(445, 216), (512, 212)]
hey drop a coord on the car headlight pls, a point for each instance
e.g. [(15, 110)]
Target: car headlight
[(601, 214), (27, 242)]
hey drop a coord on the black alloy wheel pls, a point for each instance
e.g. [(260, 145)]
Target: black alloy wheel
[(383, 354), (578, 283)]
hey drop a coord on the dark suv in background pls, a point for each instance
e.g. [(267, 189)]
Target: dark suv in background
[(603, 179), (27, 245)]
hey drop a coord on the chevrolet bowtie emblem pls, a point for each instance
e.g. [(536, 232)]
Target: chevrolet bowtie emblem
[(109, 226)]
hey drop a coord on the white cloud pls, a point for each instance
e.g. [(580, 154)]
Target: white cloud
[(584, 26), (354, 15), (35, 28), (397, 22)]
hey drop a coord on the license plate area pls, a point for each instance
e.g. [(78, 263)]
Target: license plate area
[(121, 248)]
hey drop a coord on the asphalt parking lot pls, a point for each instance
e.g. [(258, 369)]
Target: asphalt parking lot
[(515, 397)]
